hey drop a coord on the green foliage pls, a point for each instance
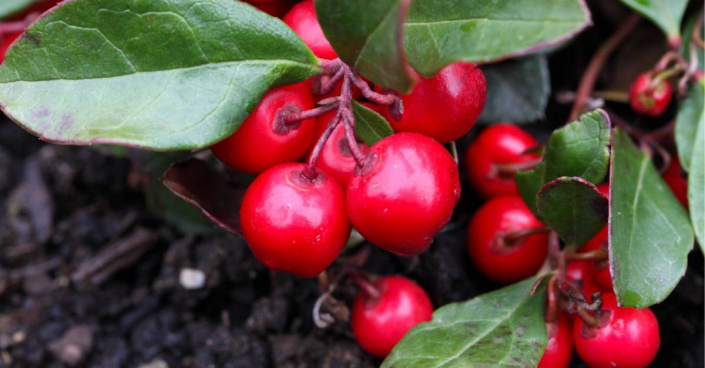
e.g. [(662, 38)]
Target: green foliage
[(666, 14), (579, 149), (573, 208), (504, 328), (364, 35), (369, 125), (691, 113), (165, 75), (696, 186), (517, 90), (650, 234), (438, 33), (10, 7)]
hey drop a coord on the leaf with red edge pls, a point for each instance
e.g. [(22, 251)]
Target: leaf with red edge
[(198, 184), (574, 208)]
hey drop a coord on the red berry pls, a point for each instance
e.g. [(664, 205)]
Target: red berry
[(581, 275), (498, 144), (294, 224), (379, 323), (260, 143), (601, 270), (675, 178), (445, 106), (649, 99), (336, 159), (604, 189), (302, 19), (559, 349), (628, 339), (516, 259), (404, 194)]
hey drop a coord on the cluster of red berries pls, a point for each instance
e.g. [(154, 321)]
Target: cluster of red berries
[(507, 243), (398, 193)]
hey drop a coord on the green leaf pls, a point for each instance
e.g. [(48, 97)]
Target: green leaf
[(177, 74), (650, 233), (10, 7), (517, 90), (666, 14), (504, 328), (696, 186), (580, 149), (691, 113), (369, 125), (364, 35), (574, 208), (438, 33), (688, 40)]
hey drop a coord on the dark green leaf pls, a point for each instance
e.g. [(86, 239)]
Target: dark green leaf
[(574, 208), (179, 74), (438, 33), (504, 328), (650, 233), (580, 149), (696, 186), (364, 35), (196, 183), (10, 7), (691, 113), (369, 125), (517, 90), (666, 14)]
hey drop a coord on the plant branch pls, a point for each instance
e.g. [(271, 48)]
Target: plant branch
[(587, 83)]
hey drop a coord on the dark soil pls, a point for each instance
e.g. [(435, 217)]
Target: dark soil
[(89, 277)]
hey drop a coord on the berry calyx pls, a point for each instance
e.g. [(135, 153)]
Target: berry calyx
[(445, 106), (380, 322), (581, 275), (293, 223), (675, 177), (559, 349), (404, 194), (264, 139), (648, 96), (494, 250), (626, 338), (496, 147), (302, 19)]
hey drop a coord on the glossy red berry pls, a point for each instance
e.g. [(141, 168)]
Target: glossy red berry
[(336, 159), (262, 141), (628, 339), (302, 19), (559, 349), (676, 179), (380, 323), (294, 224), (498, 144), (497, 257), (648, 98), (445, 106), (404, 194)]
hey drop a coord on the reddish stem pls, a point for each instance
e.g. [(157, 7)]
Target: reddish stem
[(365, 285), (378, 98), (587, 83), (296, 117), (508, 170), (552, 301), (506, 240), (594, 255)]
